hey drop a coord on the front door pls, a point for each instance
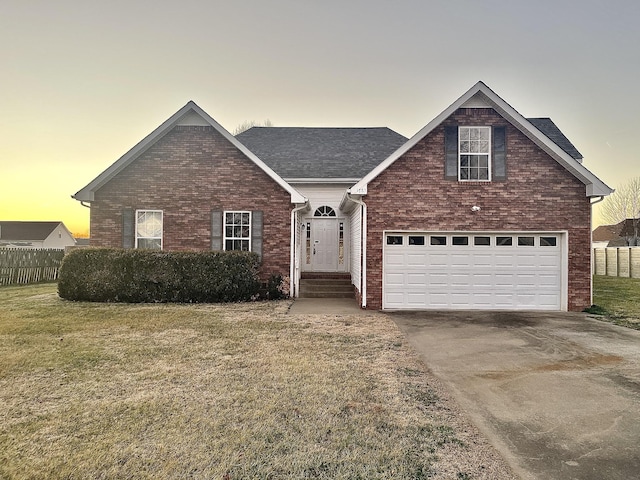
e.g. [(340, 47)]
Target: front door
[(324, 245)]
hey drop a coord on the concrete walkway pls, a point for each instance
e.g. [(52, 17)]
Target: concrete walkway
[(324, 306), (558, 394)]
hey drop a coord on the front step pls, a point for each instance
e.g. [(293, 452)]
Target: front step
[(326, 286)]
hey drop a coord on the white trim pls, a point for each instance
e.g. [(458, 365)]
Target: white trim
[(346, 181), (363, 249), (488, 154), (224, 229), (594, 186), (135, 235), (294, 263), (87, 193)]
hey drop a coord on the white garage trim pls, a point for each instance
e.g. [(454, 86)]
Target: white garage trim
[(496, 270)]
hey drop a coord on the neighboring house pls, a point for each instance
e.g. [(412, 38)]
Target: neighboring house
[(481, 209), (83, 242), (52, 235), (623, 234)]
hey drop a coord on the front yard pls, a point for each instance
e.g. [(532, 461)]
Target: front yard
[(220, 392)]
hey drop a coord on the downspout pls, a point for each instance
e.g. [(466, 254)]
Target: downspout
[(293, 279), (601, 198), (363, 276)]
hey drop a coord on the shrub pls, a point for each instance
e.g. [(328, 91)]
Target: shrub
[(117, 275), (277, 287)]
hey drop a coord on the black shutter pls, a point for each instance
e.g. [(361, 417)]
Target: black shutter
[(256, 232), (451, 153), (216, 230), (128, 228), (499, 153)]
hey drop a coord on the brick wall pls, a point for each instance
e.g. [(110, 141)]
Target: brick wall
[(189, 172), (538, 194)]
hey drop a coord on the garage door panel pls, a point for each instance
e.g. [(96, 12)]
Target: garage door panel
[(416, 259), (437, 260), (526, 260), (392, 259), (461, 260), (548, 261), (394, 279), (416, 279), (504, 280), (481, 280), (416, 300), (468, 276), (504, 260), (482, 260)]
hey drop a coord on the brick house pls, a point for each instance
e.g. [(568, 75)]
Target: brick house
[(481, 209)]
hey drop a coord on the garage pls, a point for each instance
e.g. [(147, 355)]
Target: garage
[(483, 271)]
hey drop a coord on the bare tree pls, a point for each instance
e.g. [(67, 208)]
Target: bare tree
[(624, 204), (244, 126)]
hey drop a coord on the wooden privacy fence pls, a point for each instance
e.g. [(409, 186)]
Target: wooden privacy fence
[(617, 261), (21, 265)]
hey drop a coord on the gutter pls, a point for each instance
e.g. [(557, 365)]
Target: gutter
[(82, 201), (294, 281), (601, 198), (363, 273)]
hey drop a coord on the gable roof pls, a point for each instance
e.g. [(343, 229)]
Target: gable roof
[(303, 153), (190, 114), (482, 95), (617, 234), (546, 126), (605, 233), (35, 231)]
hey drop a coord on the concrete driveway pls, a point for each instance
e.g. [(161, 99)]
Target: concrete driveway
[(558, 394)]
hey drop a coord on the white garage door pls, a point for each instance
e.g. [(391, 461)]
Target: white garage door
[(490, 271)]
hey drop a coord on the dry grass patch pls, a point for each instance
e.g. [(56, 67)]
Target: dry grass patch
[(219, 391)]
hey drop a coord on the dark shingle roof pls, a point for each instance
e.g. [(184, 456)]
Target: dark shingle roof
[(299, 152), (606, 233), (619, 235), (11, 230), (546, 126)]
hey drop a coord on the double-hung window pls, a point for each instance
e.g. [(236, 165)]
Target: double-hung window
[(237, 231), (149, 229), (474, 153)]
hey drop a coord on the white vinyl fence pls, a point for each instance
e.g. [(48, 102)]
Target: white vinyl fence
[(617, 261)]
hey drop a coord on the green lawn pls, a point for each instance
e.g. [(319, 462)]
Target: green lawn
[(619, 298), (240, 391)]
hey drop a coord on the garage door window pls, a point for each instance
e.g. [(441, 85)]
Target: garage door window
[(438, 240), (416, 240), (482, 241), (394, 240), (460, 241), (548, 241), (526, 241), (504, 241)]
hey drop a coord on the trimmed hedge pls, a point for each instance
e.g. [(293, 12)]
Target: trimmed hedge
[(136, 276)]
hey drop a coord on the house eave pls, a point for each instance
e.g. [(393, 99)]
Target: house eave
[(594, 186), (341, 181), (87, 194)]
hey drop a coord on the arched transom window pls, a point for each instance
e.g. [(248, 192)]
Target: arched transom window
[(325, 211)]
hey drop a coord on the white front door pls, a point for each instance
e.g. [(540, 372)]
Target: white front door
[(324, 245)]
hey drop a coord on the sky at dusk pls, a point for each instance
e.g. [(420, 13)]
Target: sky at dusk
[(82, 81)]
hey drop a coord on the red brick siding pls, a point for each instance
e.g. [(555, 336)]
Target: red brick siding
[(538, 194), (188, 173)]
